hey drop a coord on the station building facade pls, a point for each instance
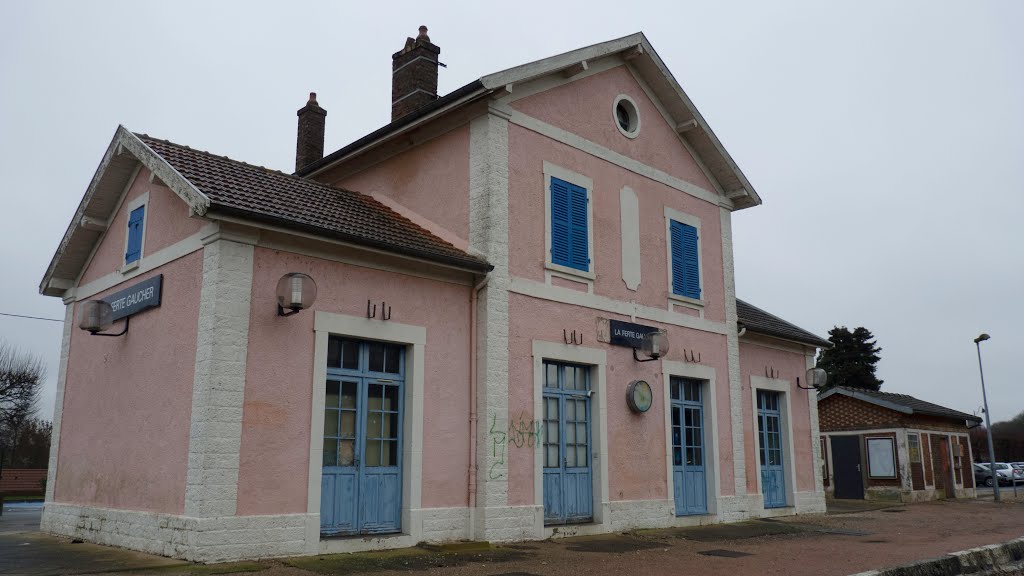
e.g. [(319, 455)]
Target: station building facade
[(524, 325)]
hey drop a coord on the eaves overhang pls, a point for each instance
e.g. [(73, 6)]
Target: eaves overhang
[(124, 156)]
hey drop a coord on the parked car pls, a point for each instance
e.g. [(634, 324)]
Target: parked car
[(1007, 474)]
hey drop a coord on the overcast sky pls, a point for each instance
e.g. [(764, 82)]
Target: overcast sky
[(885, 139)]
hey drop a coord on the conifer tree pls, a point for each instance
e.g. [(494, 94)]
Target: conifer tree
[(852, 359)]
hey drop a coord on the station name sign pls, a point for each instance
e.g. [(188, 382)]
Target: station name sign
[(136, 298), (628, 334)]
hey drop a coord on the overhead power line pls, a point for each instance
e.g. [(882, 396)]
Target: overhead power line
[(30, 317)]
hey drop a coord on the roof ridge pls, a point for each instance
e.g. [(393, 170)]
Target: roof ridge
[(221, 156)]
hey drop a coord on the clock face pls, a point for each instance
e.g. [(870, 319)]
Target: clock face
[(639, 396)]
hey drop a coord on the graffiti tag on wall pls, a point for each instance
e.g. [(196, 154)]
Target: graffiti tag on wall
[(524, 432)]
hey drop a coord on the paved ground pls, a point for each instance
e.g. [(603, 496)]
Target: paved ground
[(852, 538)]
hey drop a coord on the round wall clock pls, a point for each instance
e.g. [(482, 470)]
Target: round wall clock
[(639, 396)]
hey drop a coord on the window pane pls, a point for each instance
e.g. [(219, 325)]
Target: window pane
[(376, 356), (570, 379), (581, 378), (551, 456), (390, 425), (331, 401), (570, 411), (348, 424), (581, 455), (390, 453), (374, 425), (581, 410), (330, 422), (698, 457), (675, 417), (391, 354), (570, 434), (677, 456), (348, 395), (346, 452), (570, 457), (696, 418), (551, 376), (674, 389), (581, 434), (372, 456), (374, 397), (334, 352), (391, 398), (551, 434), (677, 436), (330, 452), (350, 355)]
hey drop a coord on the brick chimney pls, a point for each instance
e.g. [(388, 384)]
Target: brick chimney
[(309, 146), (413, 75)]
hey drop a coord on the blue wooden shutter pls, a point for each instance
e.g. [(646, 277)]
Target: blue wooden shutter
[(579, 234), (135, 220), (560, 222), (685, 261)]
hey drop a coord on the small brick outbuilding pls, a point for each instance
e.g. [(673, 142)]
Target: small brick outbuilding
[(879, 445)]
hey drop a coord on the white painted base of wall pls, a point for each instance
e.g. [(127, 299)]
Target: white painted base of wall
[(223, 539)]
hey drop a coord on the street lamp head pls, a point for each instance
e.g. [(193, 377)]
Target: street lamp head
[(981, 338)]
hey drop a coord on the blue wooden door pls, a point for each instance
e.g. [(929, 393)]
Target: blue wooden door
[(688, 473), (568, 474), (773, 476), (361, 483)]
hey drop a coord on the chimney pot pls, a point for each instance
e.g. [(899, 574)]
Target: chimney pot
[(309, 142), (414, 75)]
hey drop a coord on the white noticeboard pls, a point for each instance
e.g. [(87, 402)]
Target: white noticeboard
[(881, 458)]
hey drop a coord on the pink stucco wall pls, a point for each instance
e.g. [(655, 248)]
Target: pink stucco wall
[(431, 180), (754, 360), (584, 107), (273, 468), (637, 443), (527, 153), (128, 403), (167, 222)]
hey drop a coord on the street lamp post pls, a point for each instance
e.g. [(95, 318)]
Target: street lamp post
[(988, 423)]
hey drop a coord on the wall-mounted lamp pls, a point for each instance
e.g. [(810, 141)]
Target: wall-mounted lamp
[(295, 292), (654, 346), (96, 316), (816, 377)]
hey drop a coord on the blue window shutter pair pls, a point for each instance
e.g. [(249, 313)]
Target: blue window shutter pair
[(685, 260), (135, 220), (569, 233)]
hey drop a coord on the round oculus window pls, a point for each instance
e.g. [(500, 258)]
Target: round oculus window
[(626, 116)]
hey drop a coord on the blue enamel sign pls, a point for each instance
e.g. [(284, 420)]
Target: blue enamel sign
[(628, 334), (135, 299)]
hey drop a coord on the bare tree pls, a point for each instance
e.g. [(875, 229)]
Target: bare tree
[(21, 384)]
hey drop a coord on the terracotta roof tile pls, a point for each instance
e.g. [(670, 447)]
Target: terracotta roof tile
[(293, 202)]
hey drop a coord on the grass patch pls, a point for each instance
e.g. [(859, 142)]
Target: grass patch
[(403, 559), (23, 498)]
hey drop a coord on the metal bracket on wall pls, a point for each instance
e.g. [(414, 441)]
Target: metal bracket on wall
[(385, 310), (692, 357), (370, 314), (770, 372), (571, 338)]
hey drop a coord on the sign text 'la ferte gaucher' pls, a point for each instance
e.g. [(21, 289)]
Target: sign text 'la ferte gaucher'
[(136, 298), (628, 334)]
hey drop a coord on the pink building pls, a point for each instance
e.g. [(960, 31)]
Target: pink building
[(524, 325)]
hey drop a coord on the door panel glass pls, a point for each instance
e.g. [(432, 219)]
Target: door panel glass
[(372, 455), (376, 357), (331, 422), (348, 424), (348, 395), (551, 376), (346, 452), (390, 398), (331, 400), (392, 358), (330, 452)]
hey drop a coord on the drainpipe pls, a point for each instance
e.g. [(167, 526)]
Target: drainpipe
[(473, 300)]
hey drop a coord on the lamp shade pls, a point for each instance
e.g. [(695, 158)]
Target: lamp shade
[(656, 344), (296, 291), (817, 377), (95, 316)]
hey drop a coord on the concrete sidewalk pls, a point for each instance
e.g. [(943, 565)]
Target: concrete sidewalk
[(843, 543)]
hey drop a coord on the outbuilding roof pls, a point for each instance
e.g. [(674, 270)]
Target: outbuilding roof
[(216, 185), (899, 402), (756, 320)]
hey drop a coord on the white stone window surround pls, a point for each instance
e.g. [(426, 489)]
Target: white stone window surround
[(706, 374), (784, 387), (634, 115), (891, 450), (596, 358), (690, 220), (141, 200), (414, 338), (552, 170)]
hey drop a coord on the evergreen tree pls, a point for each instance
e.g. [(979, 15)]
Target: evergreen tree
[(851, 360)]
